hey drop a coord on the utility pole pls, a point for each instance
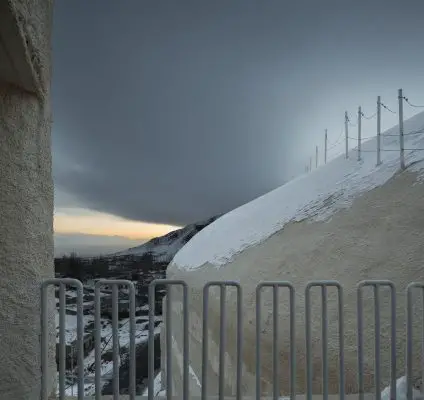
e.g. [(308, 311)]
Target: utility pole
[(310, 163), (378, 130), (359, 132), (402, 149), (325, 147), (346, 135), (316, 156)]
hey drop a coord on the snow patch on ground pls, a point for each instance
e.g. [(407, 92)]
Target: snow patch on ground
[(314, 197), (157, 387), (401, 391), (141, 336)]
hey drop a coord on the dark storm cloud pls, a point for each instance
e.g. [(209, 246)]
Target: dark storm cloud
[(172, 111)]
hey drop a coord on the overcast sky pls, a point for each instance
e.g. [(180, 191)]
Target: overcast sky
[(169, 112)]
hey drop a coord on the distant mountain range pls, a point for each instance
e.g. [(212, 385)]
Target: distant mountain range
[(163, 249)]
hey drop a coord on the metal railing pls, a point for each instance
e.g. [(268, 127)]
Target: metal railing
[(223, 285)]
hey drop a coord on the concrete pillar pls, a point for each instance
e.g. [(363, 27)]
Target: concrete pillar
[(26, 195)]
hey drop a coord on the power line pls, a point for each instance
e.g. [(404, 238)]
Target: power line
[(403, 149), (336, 142), (362, 138), (387, 108), (370, 117), (412, 105)]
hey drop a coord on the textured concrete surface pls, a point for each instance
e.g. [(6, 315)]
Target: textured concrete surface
[(26, 209), (25, 27), (379, 237)]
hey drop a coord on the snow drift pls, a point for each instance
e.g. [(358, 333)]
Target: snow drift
[(345, 221)]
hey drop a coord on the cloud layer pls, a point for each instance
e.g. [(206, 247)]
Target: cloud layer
[(170, 112)]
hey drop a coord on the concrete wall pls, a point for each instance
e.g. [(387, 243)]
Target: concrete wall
[(26, 195), (379, 237)]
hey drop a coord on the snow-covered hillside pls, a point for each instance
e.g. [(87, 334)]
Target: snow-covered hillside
[(164, 248), (315, 196), (346, 221)]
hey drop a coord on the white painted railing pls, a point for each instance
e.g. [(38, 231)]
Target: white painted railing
[(324, 285)]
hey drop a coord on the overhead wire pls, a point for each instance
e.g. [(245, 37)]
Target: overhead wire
[(387, 108), (369, 117), (412, 105), (362, 138), (334, 144)]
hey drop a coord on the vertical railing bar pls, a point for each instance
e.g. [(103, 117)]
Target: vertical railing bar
[(376, 284), (115, 342), (222, 342), (116, 356), (409, 342), (377, 346), (132, 354), (393, 343), (324, 335), (97, 342), (360, 327), (275, 285), (308, 344), (341, 343), (168, 283), (275, 344), (80, 339), (205, 339), (168, 340), (186, 354), (62, 341), (80, 331), (44, 333), (44, 340), (258, 341), (239, 341), (422, 344), (151, 342), (292, 344)]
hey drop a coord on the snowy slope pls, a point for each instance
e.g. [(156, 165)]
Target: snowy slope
[(164, 248), (314, 197)]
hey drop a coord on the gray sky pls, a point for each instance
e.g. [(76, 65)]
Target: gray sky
[(173, 111)]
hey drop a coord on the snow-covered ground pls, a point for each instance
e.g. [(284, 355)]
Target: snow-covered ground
[(106, 341), (401, 391), (315, 196), (157, 387), (107, 366), (107, 345)]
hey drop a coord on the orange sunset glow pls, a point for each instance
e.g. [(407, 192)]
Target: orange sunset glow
[(95, 223)]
